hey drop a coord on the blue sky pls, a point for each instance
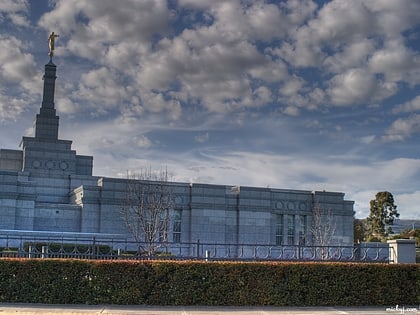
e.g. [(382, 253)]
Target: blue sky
[(299, 94)]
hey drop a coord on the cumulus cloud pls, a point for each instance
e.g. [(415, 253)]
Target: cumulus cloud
[(396, 63), (10, 107), (104, 22), (312, 74), (101, 89), (353, 86), (16, 65), (67, 106), (402, 128), (18, 77), (408, 107), (351, 55), (405, 202), (360, 182), (143, 141), (15, 11), (215, 62)]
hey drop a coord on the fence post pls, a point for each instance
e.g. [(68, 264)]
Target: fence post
[(402, 251), (44, 252), (198, 249), (94, 247), (30, 250)]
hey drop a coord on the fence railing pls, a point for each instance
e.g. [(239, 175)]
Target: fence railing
[(96, 248)]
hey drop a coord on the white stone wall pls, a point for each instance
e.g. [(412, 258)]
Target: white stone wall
[(210, 213), (11, 160)]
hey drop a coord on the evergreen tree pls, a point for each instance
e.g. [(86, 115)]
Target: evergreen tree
[(382, 214), (360, 230)]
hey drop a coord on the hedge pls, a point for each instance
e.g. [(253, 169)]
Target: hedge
[(65, 281)]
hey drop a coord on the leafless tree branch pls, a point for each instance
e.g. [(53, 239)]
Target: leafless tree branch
[(146, 208)]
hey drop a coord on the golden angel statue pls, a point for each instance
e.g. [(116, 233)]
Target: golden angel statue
[(51, 43)]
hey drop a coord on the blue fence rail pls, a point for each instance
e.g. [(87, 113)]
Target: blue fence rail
[(95, 248)]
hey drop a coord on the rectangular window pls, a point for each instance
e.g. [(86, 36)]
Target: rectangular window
[(302, 230), (163, 232), (279, 229), (177, 226), (290, 229)]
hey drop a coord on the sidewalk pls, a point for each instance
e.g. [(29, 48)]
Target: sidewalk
[(27, 309)]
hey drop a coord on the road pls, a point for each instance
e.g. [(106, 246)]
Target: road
[(27, 309)]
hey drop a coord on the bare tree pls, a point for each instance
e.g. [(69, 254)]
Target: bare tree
[(322, 229), (146, 208)]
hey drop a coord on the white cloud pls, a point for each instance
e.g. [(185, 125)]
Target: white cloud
[(16, 65), (358, 86), (15, 11), (406, 203), (302, 53), (18, 78), (292, 86), (10, 107), (353, 86), (146, 70), (368, 139), (202, 137), (402, 128), (359, 182), (66, 106), (257, 20), (394, 17), (396, 63), (408, 107), (143, 141), (156, 103), (342, 21), (106, 26), (352, 55), (101, 89), (291, 111)]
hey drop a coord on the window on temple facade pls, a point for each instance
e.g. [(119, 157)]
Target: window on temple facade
[(279, 229), (163, 232), (302, 229), (177, 226), (290, 229)]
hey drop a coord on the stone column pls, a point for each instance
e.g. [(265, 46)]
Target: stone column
[(402, 251)]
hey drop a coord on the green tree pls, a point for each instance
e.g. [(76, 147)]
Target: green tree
[(382, 214), (360, 230)]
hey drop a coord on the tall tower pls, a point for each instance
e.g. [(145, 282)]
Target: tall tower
[(45, 154), (46, 122)]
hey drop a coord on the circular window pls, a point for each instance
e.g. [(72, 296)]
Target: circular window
[(49, 164), (36, 164)]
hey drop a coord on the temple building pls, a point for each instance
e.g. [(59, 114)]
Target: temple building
[(47, 189)]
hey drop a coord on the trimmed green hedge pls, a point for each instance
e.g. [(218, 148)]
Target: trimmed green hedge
[(56, 281)]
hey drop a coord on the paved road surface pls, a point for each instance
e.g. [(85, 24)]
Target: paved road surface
[(27, 309)]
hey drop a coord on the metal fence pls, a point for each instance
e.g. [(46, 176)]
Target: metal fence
[(95, 248)]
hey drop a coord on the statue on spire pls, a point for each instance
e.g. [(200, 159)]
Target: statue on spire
[(51, 43)]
